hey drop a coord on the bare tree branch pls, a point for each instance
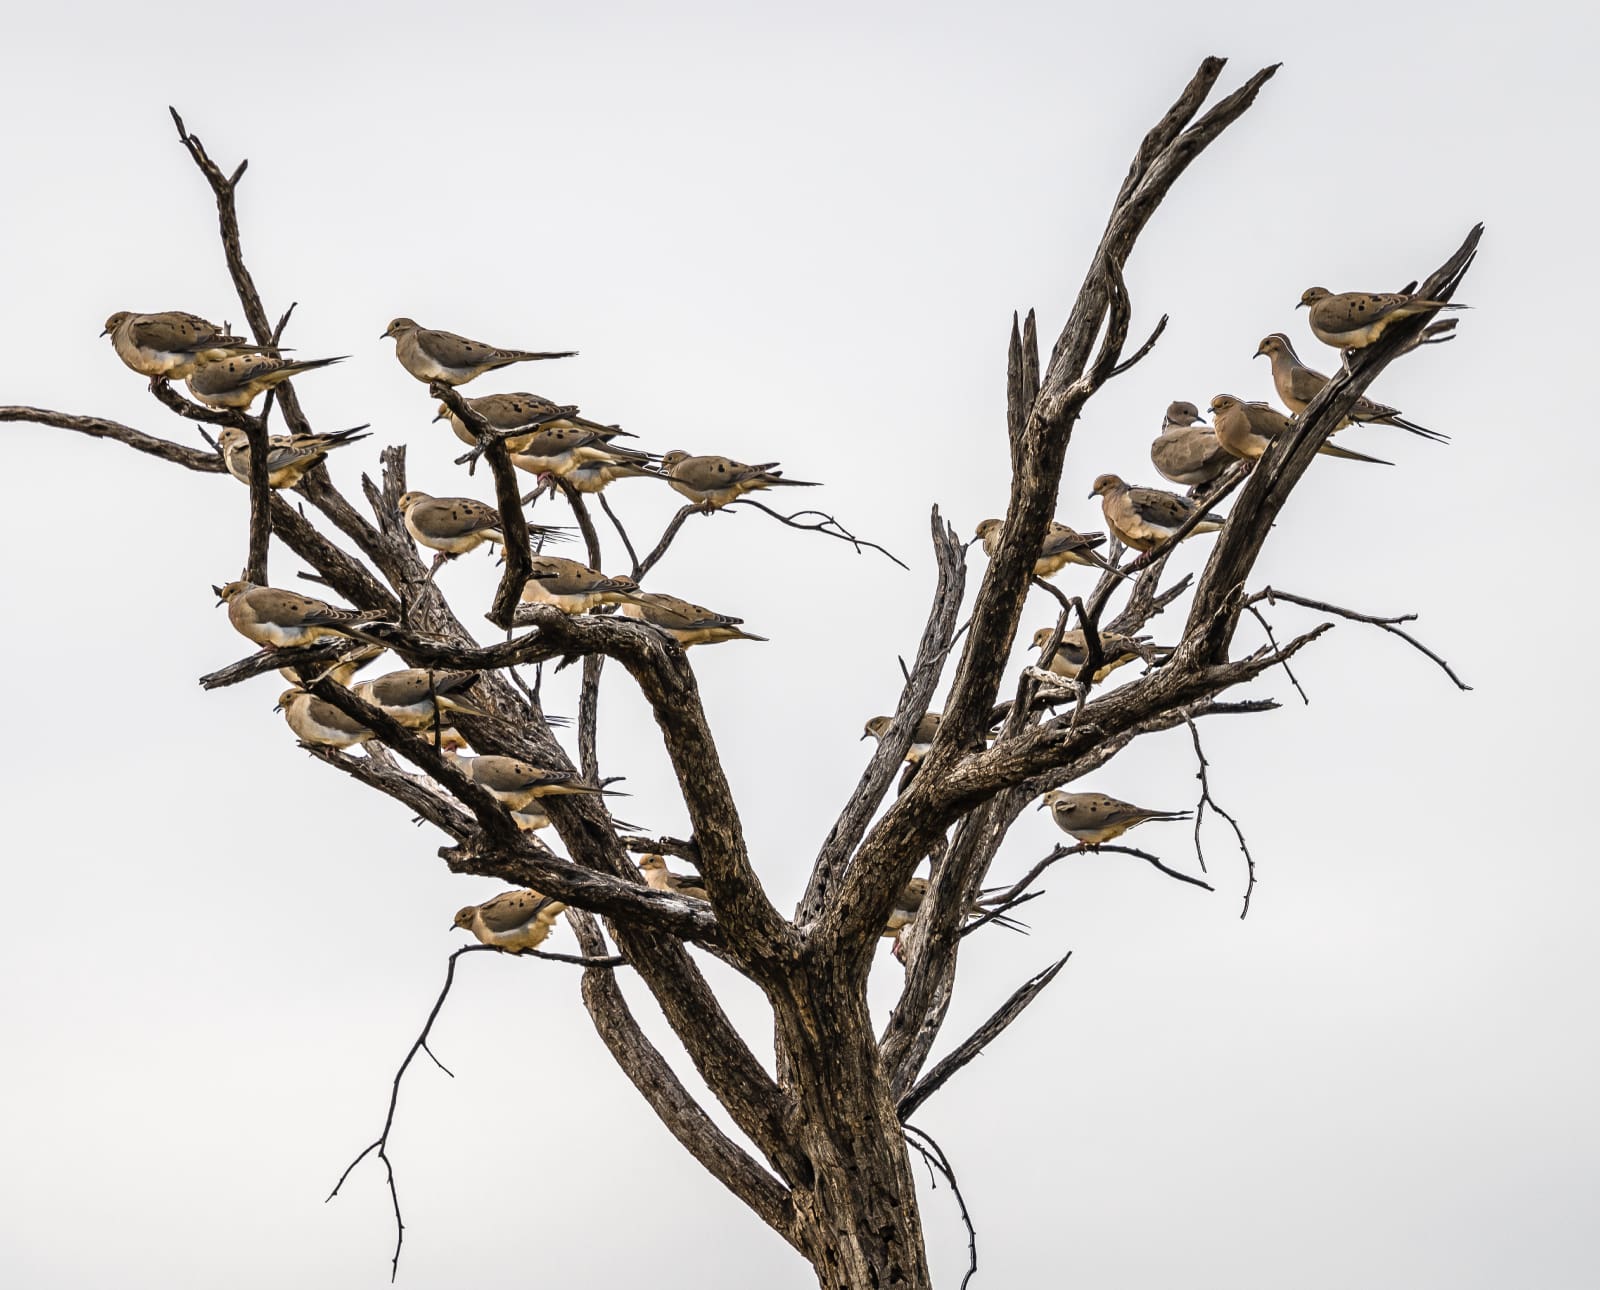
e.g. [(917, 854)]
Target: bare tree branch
[(979, 1039), (1271, 595)]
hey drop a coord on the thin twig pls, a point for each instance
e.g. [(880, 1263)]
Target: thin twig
[(1273, 641), (826, 524), (934, 1155), (642, 567), (381, 1146), (1199, 813), (627, 543), (1272, 595)]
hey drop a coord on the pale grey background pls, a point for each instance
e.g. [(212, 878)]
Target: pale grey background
[(800, 235)]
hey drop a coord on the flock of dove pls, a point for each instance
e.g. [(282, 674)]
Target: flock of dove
[(545, 439)]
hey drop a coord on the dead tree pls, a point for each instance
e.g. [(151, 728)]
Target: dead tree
[(824, 1157)]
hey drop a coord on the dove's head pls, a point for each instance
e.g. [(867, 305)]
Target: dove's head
[(1182, 413), (399, 326), (673, 458), (1273, 345), (116, 320), (464, 917), (1311, 295), (408, 500), (229, 591), (1107, 484), (444, 410), (1049, 800), (652, 863), (877, 727), (982, 532), (1041, 638), (231, 436), (1223, 403), (288, 697)]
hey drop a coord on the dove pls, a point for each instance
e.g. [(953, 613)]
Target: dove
[(289, 456), (417, 698), (1073, 652), (921, 737), (1246, 430), (513, 921), (1062, 546), (515, 783), (686, 623), (340, 671), (508, 412), (279, 619), (316, 721), (453, 360), (170, 346), (1093, 818), (1144, 518), (908, 904), (591, 474), (712, 482), (1186, 451), (237, 382), (1298, 384), (572, 587), (1356, 319), (456, 525), (660, 878)]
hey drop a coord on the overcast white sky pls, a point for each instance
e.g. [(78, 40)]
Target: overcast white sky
[(801, 236)]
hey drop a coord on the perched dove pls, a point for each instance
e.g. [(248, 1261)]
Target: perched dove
[(921, 738), (278, 619), (443, 356), (316, 721), (514, 782), (508, 412), (170, 346), (1144, 518), (659, 877), (1186, 451), (340, 671), (591, 474), (238, 381), (289, 456), (572, 587), (1073, 652), (1298, 384), (713, 482), (513, 921), (531, 817), (686, 623), (908, 904), (1356, 319), (456, 525), (1094, 818), (1247, 430), (416, 697), (1062, 546)]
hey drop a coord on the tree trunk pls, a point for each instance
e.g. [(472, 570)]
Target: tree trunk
[(857, 1219)]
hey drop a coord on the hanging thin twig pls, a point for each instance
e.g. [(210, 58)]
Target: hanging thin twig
[(1199, 813), (934, 1155)]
